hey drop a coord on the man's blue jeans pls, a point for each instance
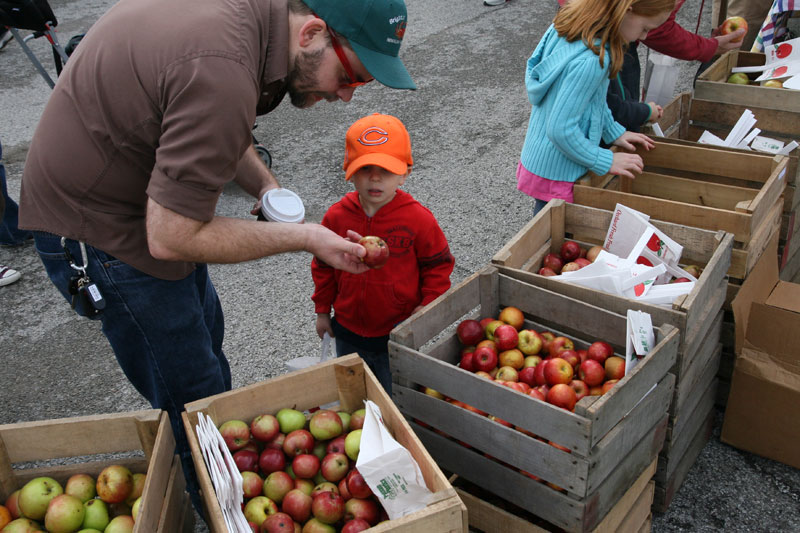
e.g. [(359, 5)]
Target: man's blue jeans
[(166, 335)]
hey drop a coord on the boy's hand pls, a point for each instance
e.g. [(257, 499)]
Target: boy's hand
[(626, 164), (324, 324), (656, 111), (629, 140), (729, 41)]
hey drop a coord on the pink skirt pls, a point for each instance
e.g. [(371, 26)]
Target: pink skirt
[(542, 188)]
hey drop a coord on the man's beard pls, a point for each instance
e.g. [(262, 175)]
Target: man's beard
[(303, 76)]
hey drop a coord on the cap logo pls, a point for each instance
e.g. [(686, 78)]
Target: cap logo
[(400, 30), (373, 136)]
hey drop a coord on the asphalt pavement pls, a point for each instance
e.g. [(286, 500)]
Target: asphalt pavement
[(467, 122)]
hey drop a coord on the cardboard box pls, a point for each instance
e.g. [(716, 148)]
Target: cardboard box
[(348, 382), (143, 439), (761, 416)]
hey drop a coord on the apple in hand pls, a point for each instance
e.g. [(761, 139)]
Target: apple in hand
[(732, 24), (377, 251), (470, 332)]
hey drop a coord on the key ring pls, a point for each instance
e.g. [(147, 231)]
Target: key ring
[(84, 256)]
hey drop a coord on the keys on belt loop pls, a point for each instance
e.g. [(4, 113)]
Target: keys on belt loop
[(81, 285)]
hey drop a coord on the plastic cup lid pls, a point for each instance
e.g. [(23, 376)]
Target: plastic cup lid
[(282, 205)]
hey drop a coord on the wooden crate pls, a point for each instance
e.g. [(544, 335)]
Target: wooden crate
[(711, 84), (686, 118), (490, 514), (612, 438), (348, 382), (692, 314), (701, 187), (70, 446)]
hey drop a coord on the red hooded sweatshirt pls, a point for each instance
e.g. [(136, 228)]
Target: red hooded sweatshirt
[(418, 270)]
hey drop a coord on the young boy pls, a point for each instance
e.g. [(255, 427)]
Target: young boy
[(367, 306)]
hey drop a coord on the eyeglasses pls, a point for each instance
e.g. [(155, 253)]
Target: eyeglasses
[(353, 81)]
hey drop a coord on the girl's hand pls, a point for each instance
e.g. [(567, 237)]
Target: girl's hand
[(629, 140), (656, 111), (626, 164), (324, 324)]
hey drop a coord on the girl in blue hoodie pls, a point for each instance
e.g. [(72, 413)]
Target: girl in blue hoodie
[(567, 80)]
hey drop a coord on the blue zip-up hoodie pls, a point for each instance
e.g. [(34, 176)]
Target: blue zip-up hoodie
[(567, 87)]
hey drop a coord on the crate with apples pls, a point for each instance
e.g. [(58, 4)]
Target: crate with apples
[(702, 187), (698, 315), (569, 467), (295, 439), (715, 84), (114, 473), (491, 514)]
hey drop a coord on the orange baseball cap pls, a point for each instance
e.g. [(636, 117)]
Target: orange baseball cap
[(380, 140)]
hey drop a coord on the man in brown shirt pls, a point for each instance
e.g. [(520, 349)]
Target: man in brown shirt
[(149, 120)]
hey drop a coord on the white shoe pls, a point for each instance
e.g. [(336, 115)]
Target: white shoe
[(8, 275), (494, 2)]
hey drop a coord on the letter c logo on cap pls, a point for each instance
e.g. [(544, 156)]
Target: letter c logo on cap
[(373, 136)]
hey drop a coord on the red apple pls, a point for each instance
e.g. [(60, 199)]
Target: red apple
[(305, 465), (271, 460), (484, 375), (485, 358), (501, 422), (278, 523), (12, 504), (608, 384), (506, 337), (335, 467), (526, 375), (615, 368), (487, 342), (536, 393), (277, 485), (571, 357), (592, 373), (558, 371), (115, 483), (344, 492), (529, 342), (325, 424), (277, 442), (580, 388), (357, 419), (252, 484), (356, 525), (470, 332), (570, 251), (377, 251), (485, 322), (599, 351), (559, 344), (297, 504), (365, 509), (512, 316), (596, 390), (582, 262), (305, 485), (467, 361), (732, 24), (547, 338), (491, 327), (325, 486), (680, 280), (297, 442), (562, 395), (246, 460), (553, 262), (538, 372), (782, 51), (357, 485), (327, 507), (235, 433), (265, 427), (544, 271)]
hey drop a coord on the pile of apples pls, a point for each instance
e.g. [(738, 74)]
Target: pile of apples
[(109, 504), (542, 365), (572, 256), (299, 474)]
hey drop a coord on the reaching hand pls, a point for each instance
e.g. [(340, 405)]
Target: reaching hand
[(324, 324), (344, 254), (626, 164), (729, 41), (629, 140), (656, 111)]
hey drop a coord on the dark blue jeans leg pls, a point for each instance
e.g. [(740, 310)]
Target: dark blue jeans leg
[(378, 362), (166, 335), (538, 206), (10, 234)]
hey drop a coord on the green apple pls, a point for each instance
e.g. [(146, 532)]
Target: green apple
[(90, 530), (22, 525), (64, 514), (259, 508), (120, 524), (290, 420), (138, 487), (352, 444), (96, 514), (739, 78), (36, 495), (325, 425), (82, 486), (135, 508), (345, 416)]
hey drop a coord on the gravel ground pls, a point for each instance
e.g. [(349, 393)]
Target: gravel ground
[(467, 124)]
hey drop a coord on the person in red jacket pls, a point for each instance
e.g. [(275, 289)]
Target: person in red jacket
[(367, 306)]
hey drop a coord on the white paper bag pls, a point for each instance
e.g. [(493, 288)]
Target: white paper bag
[(389, 469), (305, 361), (661, 75), (640, 338)]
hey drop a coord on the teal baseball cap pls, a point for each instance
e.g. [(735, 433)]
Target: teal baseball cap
[(374, 29)]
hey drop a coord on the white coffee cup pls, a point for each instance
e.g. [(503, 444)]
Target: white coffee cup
[(282, 205)]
